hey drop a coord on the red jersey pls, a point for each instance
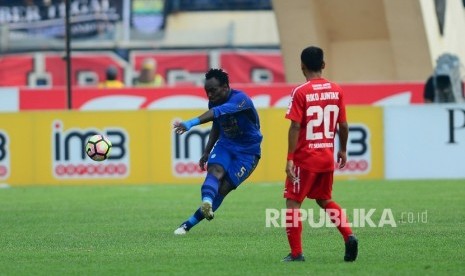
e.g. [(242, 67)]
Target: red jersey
[(318, 105)]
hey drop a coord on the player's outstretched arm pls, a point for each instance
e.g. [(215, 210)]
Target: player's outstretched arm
[(181, 127)]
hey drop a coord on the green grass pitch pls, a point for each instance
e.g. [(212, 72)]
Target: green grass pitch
[(128, 230)]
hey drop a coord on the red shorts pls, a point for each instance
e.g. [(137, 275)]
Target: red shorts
[(314, 185)]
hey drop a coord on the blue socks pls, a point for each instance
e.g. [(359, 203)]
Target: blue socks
[(194, 219), (210, 194), (210, 188), (198, 216), (217, 202)]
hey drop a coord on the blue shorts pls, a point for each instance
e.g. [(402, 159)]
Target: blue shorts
[(238, 166)]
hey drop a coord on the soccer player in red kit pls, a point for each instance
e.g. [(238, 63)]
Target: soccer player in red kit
[(316, 111)]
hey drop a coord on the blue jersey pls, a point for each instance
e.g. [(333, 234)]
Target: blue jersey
[(238, 123)]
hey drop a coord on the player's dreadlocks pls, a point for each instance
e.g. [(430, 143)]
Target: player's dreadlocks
[(218, 74)]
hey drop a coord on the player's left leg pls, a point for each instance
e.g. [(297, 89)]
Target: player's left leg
[(218, 162), (322, 193), (210, 188), (211, 200), (224, 189), (238, 168), (338, 217), (219, 158)]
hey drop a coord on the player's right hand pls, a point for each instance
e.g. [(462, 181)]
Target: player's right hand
[(341, 159), (179, 127), (290, 170)]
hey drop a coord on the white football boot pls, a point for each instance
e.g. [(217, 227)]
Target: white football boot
[(181, 230)]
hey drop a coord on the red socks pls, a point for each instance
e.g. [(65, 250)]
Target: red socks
[(334, 211), (294, 226), (294, 231)]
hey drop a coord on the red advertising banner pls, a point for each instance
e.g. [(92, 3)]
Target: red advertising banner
[(190, 97), (253, 67), (14, 69), (48, 69)]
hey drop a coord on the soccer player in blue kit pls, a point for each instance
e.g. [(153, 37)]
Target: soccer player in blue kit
[(233, 148)]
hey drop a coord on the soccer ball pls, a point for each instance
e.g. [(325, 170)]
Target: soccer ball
[(98, 147)]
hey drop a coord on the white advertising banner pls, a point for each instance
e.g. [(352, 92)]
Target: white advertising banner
[(9, 99), (423, 142)]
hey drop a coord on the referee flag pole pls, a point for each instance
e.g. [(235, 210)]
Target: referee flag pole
[(68, 54)]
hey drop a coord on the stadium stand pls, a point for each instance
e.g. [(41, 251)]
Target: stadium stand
[(104, 35)]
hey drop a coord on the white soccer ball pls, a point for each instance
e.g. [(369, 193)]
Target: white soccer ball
[(98, 147)]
